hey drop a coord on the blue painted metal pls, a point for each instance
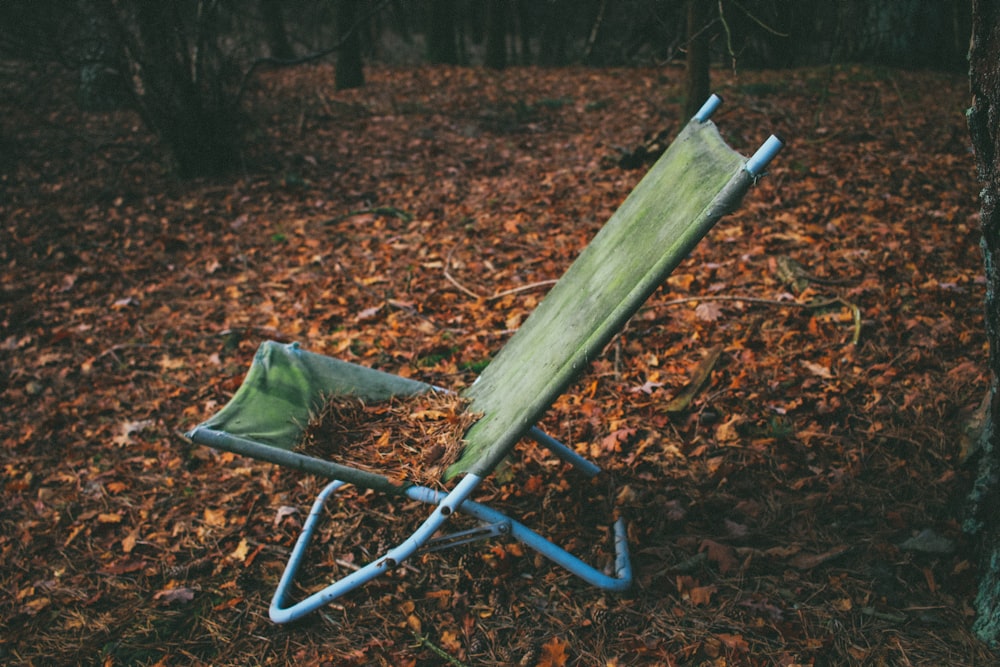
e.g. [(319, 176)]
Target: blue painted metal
[(622, 578), (483, 532), (447, 504), (588, 468), (708, 108), (758, 161)]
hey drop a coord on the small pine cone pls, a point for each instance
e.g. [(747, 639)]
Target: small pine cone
[(504, 655), (530, 657), (478, 644), (600, 617), (620, 622)]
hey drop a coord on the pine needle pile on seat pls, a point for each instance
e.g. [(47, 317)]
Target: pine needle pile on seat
[(407, 438)]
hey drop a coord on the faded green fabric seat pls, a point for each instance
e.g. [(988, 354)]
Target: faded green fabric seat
[(697, 181)]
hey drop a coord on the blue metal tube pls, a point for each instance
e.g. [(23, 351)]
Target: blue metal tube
[(588, 468), (448, 504), (623, 567), (708, 108), (758, 161)]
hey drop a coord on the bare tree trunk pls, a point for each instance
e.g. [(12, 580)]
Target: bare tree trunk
[(496, 34), (595, 30), (183, 87), (102, 86), (554, 33), (350, 73), (696, 66), (441, 45), (984, 126), (277, 36), (524, 30)]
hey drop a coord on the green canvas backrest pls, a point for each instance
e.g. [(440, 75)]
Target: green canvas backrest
[(696, 181)]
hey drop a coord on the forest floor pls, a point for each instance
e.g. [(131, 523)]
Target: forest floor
[(801, 506)]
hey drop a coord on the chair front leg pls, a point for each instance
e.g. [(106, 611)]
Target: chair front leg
[(447, 504)]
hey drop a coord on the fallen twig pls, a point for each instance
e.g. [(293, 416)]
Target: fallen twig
[(498, 295), (424, 641)]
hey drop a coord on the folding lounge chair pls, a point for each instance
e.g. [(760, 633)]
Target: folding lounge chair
[(697, 181)]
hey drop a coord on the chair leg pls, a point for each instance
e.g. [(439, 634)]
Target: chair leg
[(587, 467), (622, 578), (447, 504)]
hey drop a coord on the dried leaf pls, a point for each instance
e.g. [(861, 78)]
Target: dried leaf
[(613, 441), (239, 554), (554, 653), (283, 512), (702, 373), (129, 541), (708, 311), (215, 517), (701, 595), (369, 313), (734, 642), (817, 369), (168, 596), (722, 555), (806, 561)]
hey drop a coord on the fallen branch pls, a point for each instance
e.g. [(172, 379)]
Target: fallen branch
[(811, 305), (270, 61), (447, 275), (498, 295), (424, 641)]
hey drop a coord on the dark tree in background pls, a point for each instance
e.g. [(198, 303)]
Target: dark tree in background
[(102, 87), (350, 73), (277, 34), (182, 83), (186, 65), (441, 44), (698, 61), (984, 126), (555, 33), (496, 34)]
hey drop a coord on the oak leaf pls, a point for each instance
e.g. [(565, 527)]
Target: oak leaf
[(553, 653)]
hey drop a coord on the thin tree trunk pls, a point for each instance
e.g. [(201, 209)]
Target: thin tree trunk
[(554, 33), (441, 33), (984, 126), (696, 66), (184, 94), (350, 73), (496, 34), (524, 30), (277, 36), (595, 30)]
